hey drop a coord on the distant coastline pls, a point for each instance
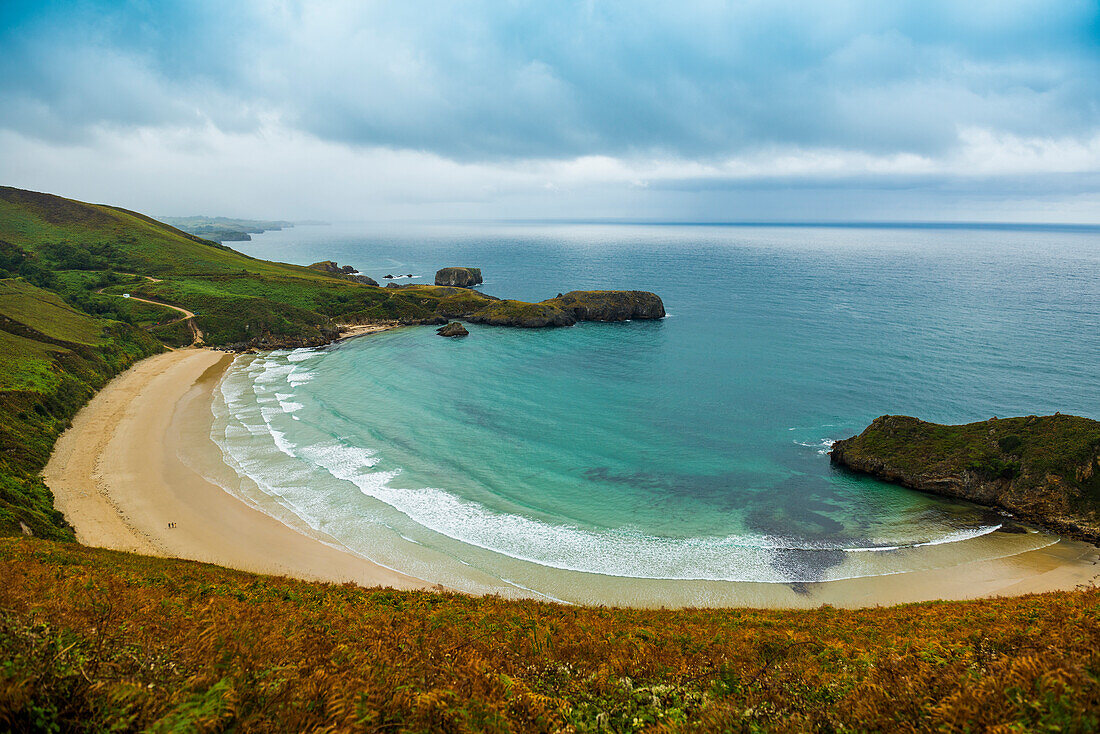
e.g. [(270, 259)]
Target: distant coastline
[(226, 229)]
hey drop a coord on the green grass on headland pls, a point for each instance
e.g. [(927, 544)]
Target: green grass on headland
[(224, 229), (1041, 468)]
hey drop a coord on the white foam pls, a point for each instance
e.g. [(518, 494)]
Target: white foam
[(299, 377), (823, 446), (625, 552), (622, 552), (301, 355)]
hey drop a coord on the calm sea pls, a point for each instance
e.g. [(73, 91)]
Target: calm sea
[(690, 448)]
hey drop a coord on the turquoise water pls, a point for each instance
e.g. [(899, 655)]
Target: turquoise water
[(690, 448)]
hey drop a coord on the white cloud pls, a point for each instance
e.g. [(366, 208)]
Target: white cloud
[(278, 172)]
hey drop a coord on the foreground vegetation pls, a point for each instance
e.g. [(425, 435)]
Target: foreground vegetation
[(96, 640)]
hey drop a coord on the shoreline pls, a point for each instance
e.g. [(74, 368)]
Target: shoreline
[(119, 476), (350, 331), (139, 456)]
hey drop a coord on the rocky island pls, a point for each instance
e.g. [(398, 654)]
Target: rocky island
[(1044, 469), (459, 277), (452, 329)]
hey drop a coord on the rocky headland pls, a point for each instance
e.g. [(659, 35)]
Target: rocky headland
[(347, 272), (573, 307), (1042, 469)]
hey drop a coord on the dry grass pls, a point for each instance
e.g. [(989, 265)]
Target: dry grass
[(94, 640)]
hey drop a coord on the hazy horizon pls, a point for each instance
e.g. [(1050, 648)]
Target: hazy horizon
[(839, 111)]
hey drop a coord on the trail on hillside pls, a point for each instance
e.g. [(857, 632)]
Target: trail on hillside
[(188, 316)]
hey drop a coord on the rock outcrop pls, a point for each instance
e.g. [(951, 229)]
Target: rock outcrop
[(458, 277), (347, 272), (1044, 469), (610, 305), (522, 314), (452, 329), (572, 307)]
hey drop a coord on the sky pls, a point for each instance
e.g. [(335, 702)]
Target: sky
[(746, 110)]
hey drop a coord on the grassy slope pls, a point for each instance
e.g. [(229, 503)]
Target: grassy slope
[(52, 359), (58, 231), (238, 298), (95, 638)]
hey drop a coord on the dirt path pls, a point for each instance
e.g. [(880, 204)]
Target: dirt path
[(188, 316)]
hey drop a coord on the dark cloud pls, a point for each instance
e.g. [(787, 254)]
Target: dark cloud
[(497, 81)]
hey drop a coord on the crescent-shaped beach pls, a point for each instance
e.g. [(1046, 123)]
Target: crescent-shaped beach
[(138, 472)]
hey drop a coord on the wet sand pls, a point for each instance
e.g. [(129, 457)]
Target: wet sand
[(138, 472)]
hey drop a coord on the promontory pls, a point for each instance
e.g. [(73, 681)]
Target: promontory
[(1044, 469)]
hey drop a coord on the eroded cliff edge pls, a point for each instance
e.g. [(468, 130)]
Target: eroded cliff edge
[(1044, 469)]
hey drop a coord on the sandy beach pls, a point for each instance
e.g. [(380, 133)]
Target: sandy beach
[(348, 331), (134, 473), (118, 476)]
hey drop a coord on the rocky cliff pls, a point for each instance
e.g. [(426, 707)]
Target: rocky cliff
[(1045, 469), (458, 277), (347, 272), (568, 309)]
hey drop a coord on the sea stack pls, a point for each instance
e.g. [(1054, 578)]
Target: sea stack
[(452, 329), (458, 277)]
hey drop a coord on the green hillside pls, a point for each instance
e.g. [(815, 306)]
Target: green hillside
[(72, 233), (52, 359), (80, 249)]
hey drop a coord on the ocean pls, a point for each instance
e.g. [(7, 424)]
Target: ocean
[(690, 450)]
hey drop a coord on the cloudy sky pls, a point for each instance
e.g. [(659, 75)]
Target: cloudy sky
[(687, 110)]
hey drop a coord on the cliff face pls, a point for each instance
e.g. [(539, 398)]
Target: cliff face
[(1045, 469), (610, 305), (458, 277), (346, 272), (572, 307)]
